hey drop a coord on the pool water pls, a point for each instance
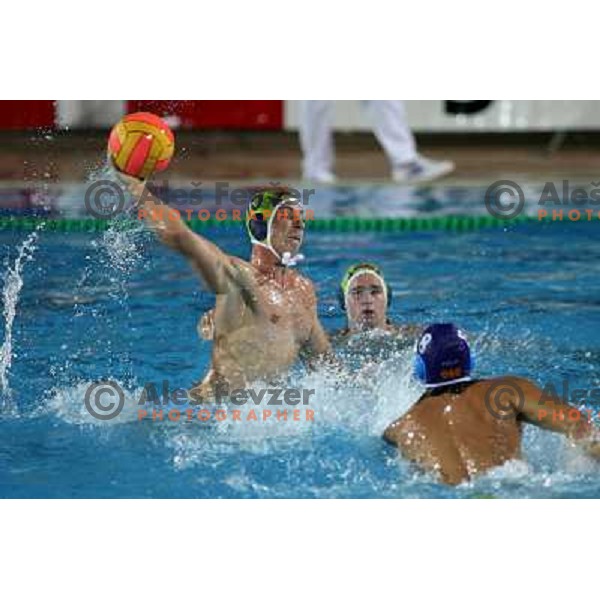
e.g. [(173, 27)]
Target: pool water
[(119, 306)]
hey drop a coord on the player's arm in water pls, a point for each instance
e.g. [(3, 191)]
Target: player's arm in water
[(317, 352), (212, 263), (533, 405), (318, 348), (408, 331)]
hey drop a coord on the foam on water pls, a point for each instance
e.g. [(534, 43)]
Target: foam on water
[(359, 405), (356, 407), (68, 404)]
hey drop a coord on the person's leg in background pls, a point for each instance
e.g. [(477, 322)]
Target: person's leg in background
[(89, 113), (391, 129), (316, 140)]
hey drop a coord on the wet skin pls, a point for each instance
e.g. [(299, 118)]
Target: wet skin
[(453, 433), (265, 314)]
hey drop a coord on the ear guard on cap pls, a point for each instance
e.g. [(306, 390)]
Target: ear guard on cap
[(261, 209), (258, 228)]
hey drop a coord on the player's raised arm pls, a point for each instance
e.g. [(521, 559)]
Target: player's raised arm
[(211, 262)]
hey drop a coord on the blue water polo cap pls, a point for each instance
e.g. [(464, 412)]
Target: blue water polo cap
[(443, 356)]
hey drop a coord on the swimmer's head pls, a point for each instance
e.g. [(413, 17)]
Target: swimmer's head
[(365, 296), (442, 356), (275, 220)]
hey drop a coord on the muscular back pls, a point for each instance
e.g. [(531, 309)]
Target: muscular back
[(452, 433)]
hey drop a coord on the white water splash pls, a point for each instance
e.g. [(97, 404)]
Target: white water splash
[(68, 403), (13, 283), (363, 402), (122, 245)]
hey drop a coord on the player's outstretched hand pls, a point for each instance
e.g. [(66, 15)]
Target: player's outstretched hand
[(134, 185)]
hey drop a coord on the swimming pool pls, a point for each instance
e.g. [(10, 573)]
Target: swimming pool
[(117, 305)]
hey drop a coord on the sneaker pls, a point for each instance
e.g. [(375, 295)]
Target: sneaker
[(326, 177), (422, 169)]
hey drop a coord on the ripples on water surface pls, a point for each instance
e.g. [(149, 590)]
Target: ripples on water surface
[(119, 306)]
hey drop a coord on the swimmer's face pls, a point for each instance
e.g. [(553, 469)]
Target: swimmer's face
[(287, 229), (366, 303)]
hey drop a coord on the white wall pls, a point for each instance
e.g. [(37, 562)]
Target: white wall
[(501, 115)]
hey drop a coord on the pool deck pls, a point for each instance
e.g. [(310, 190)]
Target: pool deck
[(60, 157)]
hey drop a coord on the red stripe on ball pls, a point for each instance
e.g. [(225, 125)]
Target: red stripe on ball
[(114, 142), (161, 165), (137, 158), (151, 119)]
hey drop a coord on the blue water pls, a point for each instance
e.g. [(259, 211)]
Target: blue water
[(120, 306)]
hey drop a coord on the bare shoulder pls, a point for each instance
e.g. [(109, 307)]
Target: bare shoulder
[(303, 284), (244, 277), (509, 383), (240, 262), (502, 392), (242, 270), (302, 280)]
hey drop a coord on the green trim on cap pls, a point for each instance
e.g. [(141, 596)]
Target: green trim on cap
[(352, 270)]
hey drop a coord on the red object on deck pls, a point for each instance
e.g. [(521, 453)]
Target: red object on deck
[(26, 114), (216, 114)]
